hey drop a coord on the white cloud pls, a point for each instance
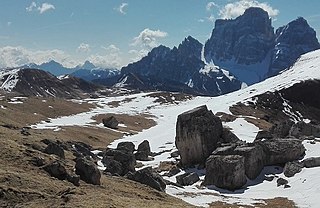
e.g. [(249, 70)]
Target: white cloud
[(17, 56), (41, 9), (110, 58), (83, 47), (45, 7), (137, 54), (211, 5), (211, 18), (32, 6), (236, 9), (122, 8), (148, 38)]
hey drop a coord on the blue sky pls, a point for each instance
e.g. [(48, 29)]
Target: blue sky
[(113, 33)]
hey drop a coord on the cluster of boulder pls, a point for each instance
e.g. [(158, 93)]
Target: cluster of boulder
[(230, 162), (121, 161)]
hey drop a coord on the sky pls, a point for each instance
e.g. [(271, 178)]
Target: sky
[(113, 33)]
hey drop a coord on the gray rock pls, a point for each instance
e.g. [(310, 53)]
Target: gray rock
[(54, 149), (187, 179), (74, 179), (126, 146), (226, 150), (173, 171), (280, 151), (198, 132), (88, 171), (227, 172), (56, 170), (175, 154), (302, 129), (282, 130), (292, 168), (254, 160), (311, 162), (127, 160), (148, 177), (110, 122), (112, 166), (281, 182), (228, 137), (263, 135), (143, 151)]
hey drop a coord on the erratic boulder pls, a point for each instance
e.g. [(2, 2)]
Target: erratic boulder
[(110, 122), (311, 162), (143, 151), (112, 166), (280, 151), (198, 133), (56, 170), (127, 160), (254, 160), (55, 149), (88, 171), (126, 147), (225, 171), (148, 177), (187, 179), (291, 168)]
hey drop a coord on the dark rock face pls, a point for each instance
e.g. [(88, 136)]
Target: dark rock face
[(226, 172), (55, 149), (282, 182), (247, 39), (127, 160), (148, 177), (88, 171), (291, 168), (311, 162), (187, 179), (280, 151), (292, 40), (110, 122), (177, 69), (143, 151), (197, 133), (112, 166)]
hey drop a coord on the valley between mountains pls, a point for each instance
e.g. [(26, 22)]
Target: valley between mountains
[(29, 124)]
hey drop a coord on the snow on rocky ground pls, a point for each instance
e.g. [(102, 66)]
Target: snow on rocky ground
[(305, 186), (8, 79)]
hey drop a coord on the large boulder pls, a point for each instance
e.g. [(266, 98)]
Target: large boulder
[(127, 160), (56, 170), (280, 151), (225, 171), (55, 149), (88, 171), (126, 146), (112, 166), (254, 160), (302, 129), (148, 177), (198, 133), (110, 122), (292, 168), (143, 151), (311, 162), (187, 179)]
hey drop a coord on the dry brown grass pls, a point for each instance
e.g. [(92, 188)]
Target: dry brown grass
[(169, 97)]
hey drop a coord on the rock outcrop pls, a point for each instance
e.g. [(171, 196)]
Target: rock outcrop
[(311, 162), (143, 151), (197, 133), (187, 179), (55, 149)]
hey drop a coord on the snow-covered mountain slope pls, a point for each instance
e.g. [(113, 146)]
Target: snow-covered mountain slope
[(35, 82), (305, 185)]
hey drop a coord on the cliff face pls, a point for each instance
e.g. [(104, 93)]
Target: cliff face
[(246, 39), (292, 40)]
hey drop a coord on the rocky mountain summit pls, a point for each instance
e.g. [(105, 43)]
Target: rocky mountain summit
[(178, 69), (245, 49), (248, 47)]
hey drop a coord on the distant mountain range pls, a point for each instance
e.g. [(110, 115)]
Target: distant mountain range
[(240, 52), (88, 71)]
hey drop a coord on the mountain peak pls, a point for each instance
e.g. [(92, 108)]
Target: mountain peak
[(255, 11), (87, 65)]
